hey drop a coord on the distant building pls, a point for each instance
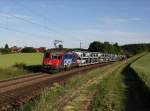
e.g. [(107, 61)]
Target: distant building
[(41, 49), (16, 49)]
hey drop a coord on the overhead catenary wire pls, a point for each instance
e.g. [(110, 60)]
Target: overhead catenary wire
[(20, 31), (27, 21), (50, 30), (21, 3)]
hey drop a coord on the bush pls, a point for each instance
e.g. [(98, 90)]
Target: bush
[(29, 50), (5, 51), (19, 65), (11, 72)]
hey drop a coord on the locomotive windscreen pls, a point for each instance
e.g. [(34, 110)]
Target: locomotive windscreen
[(47, 55)]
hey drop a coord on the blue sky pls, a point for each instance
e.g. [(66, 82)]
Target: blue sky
[(39, 22)]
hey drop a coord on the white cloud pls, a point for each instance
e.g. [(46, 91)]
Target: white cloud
[(122, 37), (120, 20), (123, 33), (13, 15)]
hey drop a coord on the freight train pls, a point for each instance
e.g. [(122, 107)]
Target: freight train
[(59, 59)]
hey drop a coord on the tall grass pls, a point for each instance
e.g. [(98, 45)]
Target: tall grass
[(111, 91), (142, 68), (11, 72)]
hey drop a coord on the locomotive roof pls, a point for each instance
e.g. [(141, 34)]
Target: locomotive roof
[(58, 50)]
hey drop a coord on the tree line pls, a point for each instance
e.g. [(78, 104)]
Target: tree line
[(135, 48), (129, 49), (7, 50), (96, 46), (105, 47)]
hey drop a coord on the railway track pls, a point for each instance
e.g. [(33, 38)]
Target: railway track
[(15, 92)]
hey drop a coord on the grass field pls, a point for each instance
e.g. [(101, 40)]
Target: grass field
[(142, 68), (112, 91), (32, 61), (9, 60), (137, 81)]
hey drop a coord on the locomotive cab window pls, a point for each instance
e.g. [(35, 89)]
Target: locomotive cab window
[(54, 57), (59, 57), (47, 55)]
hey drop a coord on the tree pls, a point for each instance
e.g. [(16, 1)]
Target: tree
[(117, 48), (5, 51), (105, 47), (96, 46), (29, 50), (133, 49), (6, 46)]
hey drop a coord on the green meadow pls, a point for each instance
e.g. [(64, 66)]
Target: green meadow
[(142, 68), (9, 60), (19, 64)]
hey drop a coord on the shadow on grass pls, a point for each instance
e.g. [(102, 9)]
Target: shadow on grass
[(138, 94), (30, 68), (39, 68), (33, 68)]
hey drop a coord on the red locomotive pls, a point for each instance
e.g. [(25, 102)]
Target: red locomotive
[(53, 58)]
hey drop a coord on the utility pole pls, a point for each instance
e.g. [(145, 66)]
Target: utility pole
[(80, 45)]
